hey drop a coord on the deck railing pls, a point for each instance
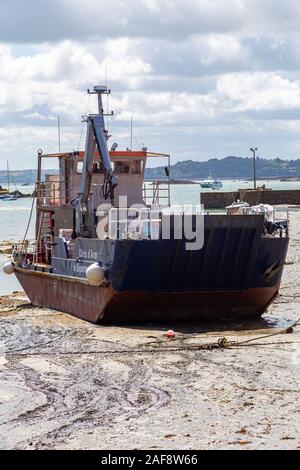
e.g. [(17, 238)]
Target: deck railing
[(157, 193), (25, 250), (51, 193), (32, 251), (144, 224)]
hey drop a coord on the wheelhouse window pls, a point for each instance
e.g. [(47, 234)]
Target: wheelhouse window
[(97, 167), (136, 167), (121, 167)]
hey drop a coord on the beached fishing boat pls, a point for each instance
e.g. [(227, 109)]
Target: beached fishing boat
[(99, 261)]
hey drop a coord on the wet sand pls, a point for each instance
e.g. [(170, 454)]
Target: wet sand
[(66, 384)]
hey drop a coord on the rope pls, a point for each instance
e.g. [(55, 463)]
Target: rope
[(107, 189), (286, 330), (28, 224), (29, 221), (221, 344)]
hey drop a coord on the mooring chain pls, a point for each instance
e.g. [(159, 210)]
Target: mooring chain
[(221, 344)]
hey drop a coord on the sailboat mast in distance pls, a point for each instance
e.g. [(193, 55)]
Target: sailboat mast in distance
[(58, 131), (7, 176)]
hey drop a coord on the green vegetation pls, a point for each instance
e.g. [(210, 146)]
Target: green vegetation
[(229, 167), (22, 176)]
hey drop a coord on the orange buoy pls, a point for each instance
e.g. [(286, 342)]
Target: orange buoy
[(170, 334)]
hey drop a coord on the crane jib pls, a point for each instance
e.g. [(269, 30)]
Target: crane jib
[(98, 127)]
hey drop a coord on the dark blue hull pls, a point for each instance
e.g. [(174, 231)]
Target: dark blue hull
[(236, 274)]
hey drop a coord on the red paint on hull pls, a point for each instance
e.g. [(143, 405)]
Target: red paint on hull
[(103, 304), (69, 295)]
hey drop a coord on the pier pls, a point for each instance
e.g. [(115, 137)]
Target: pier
[(220, 199)]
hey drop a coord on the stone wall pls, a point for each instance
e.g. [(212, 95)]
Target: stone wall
[(219, 200)]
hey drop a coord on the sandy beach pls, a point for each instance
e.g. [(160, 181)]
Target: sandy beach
[(66, 384)]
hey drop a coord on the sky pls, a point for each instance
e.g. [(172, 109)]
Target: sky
[(201, 78)]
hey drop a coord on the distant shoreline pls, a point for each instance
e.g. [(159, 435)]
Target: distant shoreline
[(231, 168), (282, 179), (175, 181)]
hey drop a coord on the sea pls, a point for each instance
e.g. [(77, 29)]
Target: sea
[(14, 215)]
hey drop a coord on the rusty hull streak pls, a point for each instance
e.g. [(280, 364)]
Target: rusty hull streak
[(98, 304), (66, 294)]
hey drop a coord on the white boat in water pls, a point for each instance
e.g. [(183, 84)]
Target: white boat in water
[(211, 183), (8, 197)]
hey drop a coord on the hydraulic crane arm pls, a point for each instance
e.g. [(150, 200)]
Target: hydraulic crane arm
[(96, 137)]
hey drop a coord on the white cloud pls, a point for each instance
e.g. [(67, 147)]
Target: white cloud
[(259, 91), (202, 78), (57, 77), (42, 20)]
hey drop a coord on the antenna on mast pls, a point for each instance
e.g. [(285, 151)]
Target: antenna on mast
[(58, 131), (100, 90), (131, 134), (107, 96)]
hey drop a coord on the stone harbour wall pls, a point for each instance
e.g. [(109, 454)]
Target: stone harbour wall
[(220, 199)]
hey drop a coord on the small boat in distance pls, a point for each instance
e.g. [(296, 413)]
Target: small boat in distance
[(7, 196), (211, 183)]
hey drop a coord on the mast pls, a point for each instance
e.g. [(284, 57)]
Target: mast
[(96, 137), (58, 131), (7, 175)]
